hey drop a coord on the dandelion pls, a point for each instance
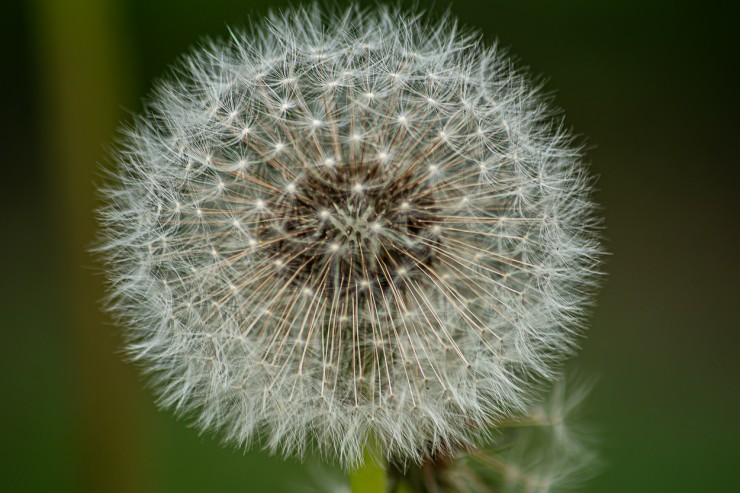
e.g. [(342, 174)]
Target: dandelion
[(338, 228), (545, 451)]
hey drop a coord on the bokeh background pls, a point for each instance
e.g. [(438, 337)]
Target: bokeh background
[(650, 83)]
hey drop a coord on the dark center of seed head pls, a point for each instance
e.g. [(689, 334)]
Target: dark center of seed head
[(355, 228)]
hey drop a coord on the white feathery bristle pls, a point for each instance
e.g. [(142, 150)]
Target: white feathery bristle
[(339, 226)]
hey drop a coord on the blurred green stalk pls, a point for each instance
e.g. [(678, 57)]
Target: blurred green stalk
[(84, 77)]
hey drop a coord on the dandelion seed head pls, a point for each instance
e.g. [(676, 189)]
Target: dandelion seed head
[(348, 254)]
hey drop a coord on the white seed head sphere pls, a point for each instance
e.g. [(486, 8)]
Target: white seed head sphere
[(333, 227)]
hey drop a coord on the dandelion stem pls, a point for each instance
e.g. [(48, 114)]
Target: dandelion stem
[(371, 476)]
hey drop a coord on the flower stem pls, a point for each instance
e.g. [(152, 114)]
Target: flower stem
[(371, 476)]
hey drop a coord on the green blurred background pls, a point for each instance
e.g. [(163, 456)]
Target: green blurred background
[(650, 84)]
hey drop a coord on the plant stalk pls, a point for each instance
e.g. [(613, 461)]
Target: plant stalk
[(371, 476)]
